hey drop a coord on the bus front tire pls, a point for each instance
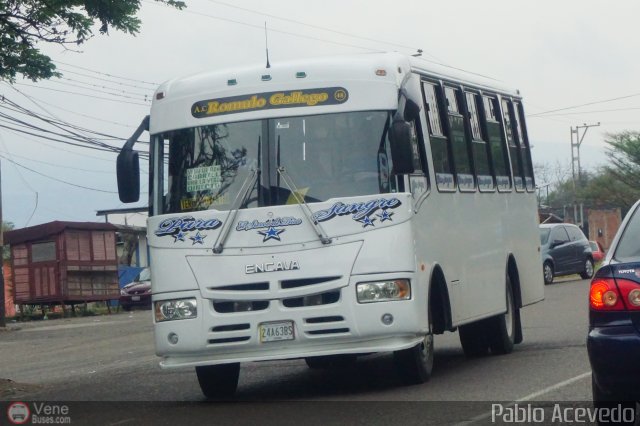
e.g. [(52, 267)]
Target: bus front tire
[(415, 365), (218, 381)]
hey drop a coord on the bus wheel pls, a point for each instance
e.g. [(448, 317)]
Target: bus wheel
[(415, 364), (331, 361), (218, 381), (473, 338), (501, 330)]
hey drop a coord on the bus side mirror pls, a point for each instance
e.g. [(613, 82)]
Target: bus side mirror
[(128, 171), (411, 110), (401, 149)]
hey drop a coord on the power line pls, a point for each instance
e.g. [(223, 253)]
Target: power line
[(586, 104), (84, 115), (56, 165), (593, 112), (98, 88), (318, 27), (30, 112), (56, 179), (262, 28), (316, 38), (58, 123), (60, 149), (66, 71), (107, 75), (82, 94)]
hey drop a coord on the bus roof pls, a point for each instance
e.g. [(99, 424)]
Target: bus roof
[(330, 68), (368, 81)]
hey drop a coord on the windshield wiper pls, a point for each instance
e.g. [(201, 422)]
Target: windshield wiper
[(240, 199), (306, 210)]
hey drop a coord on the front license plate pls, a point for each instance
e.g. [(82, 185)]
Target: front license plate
[(276, 331), (135, 298)]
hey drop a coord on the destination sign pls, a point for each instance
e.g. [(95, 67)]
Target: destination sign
[(270, 100)]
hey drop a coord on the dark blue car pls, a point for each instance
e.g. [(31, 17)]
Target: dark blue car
[(614, 318)]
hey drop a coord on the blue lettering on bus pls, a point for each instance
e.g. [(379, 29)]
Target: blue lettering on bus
[(178, 227), (360, 212)]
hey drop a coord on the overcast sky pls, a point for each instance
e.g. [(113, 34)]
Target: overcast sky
[(559, 53)]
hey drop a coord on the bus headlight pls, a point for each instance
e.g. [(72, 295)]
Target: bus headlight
[(169, 310), (383, 291)]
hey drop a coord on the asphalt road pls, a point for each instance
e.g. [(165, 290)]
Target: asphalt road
[(111, 358)]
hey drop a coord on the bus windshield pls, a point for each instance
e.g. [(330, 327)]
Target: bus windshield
[(326, 156)]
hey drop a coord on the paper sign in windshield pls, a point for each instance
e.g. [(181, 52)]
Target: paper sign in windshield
[(203, 178)]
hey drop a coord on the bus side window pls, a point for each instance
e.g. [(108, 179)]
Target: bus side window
[(498, 147), (524, 146), (514, 148), (440, 147), (479, 144), (461, 157)]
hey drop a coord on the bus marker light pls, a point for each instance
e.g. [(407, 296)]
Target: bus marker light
[(381, 72), (173, 338), (301, 74), (387, 319)]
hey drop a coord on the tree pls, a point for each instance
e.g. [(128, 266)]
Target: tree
[(624, 153), (26, 23), (607, 190)]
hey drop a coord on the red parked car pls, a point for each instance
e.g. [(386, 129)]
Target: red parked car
[(138, 292), (598, 252)]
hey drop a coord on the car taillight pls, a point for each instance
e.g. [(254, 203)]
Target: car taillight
[(605, 295)]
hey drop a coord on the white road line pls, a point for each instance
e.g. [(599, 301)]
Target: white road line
[(529, 397), (554, 387)]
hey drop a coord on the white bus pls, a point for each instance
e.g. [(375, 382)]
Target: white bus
[(328, 208)]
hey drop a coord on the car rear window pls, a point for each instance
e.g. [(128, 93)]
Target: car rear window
[(629, 245), (544, 235), (575, 233)]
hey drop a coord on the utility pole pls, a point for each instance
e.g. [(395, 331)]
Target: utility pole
[(3, 322), (575, 151), (575, 168)]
